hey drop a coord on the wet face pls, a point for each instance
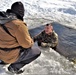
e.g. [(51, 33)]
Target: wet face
[(48, 29)]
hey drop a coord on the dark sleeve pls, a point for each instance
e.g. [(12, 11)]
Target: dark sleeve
[(38, 37)]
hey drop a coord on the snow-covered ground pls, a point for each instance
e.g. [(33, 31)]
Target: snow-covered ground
[(40, 12), (44, 11)]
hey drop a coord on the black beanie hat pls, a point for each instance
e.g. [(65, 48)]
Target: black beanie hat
[(18, 9)]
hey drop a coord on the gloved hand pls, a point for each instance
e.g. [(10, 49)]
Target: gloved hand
[(43, 44)]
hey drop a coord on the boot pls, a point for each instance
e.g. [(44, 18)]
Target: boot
[(15, 70)]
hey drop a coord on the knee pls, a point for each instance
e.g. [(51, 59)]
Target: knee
[(39, 53)]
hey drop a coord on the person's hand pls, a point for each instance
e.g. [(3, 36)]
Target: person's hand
[(43, 44)]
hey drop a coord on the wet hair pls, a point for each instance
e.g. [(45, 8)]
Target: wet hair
[(48, 24)]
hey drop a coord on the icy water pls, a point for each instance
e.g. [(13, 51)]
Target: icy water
[(67, 39)]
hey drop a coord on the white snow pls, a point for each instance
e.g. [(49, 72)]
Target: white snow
[(44, 11)]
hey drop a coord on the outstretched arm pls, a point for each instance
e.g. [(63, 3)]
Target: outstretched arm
[(37, 37)]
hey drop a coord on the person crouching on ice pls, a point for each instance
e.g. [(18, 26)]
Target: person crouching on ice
[(47, 38), (15, 41)]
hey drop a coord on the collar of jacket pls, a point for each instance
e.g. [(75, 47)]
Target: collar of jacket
[(7, 17)]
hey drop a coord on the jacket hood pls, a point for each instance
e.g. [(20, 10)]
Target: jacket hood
[(6, 17), (18, 8)]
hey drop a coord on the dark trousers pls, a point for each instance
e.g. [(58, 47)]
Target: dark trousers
[(26, 56)]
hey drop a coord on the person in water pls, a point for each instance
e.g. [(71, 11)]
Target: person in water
[(47, 38)]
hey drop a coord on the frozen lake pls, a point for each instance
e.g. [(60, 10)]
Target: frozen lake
[(40, 12)]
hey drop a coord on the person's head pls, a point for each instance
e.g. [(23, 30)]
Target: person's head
[(18, 9), (48, 28)]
